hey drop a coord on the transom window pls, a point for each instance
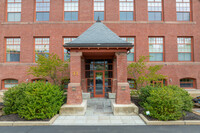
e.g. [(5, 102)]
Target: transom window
[(187, 83), (183, 10), (14, 10), (41, 47), (184, 49), (66, 52), (156, 48), (71, 10), (155, 10), (13, 49), (131, 55), (126, 8), (42, 10), (9, 83), (99, 9)]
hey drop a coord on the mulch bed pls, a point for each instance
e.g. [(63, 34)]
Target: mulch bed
[(188, 116), (15, 117)]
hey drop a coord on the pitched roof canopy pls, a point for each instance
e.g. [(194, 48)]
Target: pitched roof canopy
[(98, 35)]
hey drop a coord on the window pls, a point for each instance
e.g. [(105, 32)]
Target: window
[(183, 10), (9, 83), (184, 49), (187, 83), (155, 10), (156, 48), (65, 83), (13, 49), (99, 9), (126, 9), (66, 52), (41, 47), (71, 10), (14, 10), (42, 10), (131, 55), (159, 83), (36, 80), (132, 83)]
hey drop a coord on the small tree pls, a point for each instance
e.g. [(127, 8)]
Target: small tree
[(144, 74), (50, 66)]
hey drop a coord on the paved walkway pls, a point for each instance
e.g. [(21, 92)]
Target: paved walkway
[(99, 112)]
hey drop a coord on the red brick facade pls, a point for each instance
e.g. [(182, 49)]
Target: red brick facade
[(140, 28)]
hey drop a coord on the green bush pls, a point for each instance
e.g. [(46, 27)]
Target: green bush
[(187, 99), (166, 103), (33, 100), (144, 93)]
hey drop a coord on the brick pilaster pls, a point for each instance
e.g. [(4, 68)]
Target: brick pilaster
[(123, 91), (74, 95)]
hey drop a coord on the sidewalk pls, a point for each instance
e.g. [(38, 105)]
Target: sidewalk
[(99, 112)]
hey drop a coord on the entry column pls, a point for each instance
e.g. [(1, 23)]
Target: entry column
[(123, 91), (74, 94)]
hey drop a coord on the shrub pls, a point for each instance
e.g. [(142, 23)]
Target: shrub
[(134, 93), (34, 100), (144, 93), (13, 98), (166, 103), (187, 99)]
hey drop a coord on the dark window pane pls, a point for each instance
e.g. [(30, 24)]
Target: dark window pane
[(183, 16), (186, 85), (14, 16), (90, 89), (42, 16), (108, 89), (90, 82), (99, 14), (107, 82), (89, 74), (155, 16), (126, 16), (130, 57), (156, 57), (13, 57), (71, 16)]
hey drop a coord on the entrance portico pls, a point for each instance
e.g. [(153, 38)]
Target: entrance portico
[(98, 65)]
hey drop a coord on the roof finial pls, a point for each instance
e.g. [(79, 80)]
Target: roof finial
[(98, 20)]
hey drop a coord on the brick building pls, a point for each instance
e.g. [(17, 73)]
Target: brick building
[(167, 30)]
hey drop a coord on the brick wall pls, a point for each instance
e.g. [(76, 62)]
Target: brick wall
[(56, 29)]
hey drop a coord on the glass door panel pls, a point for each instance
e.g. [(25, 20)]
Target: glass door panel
[(99, 84)]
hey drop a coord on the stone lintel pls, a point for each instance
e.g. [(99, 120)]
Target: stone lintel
[(74, 84), (123, 84)]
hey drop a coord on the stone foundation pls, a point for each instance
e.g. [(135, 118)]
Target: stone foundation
[(77, 110), (124, 109)]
